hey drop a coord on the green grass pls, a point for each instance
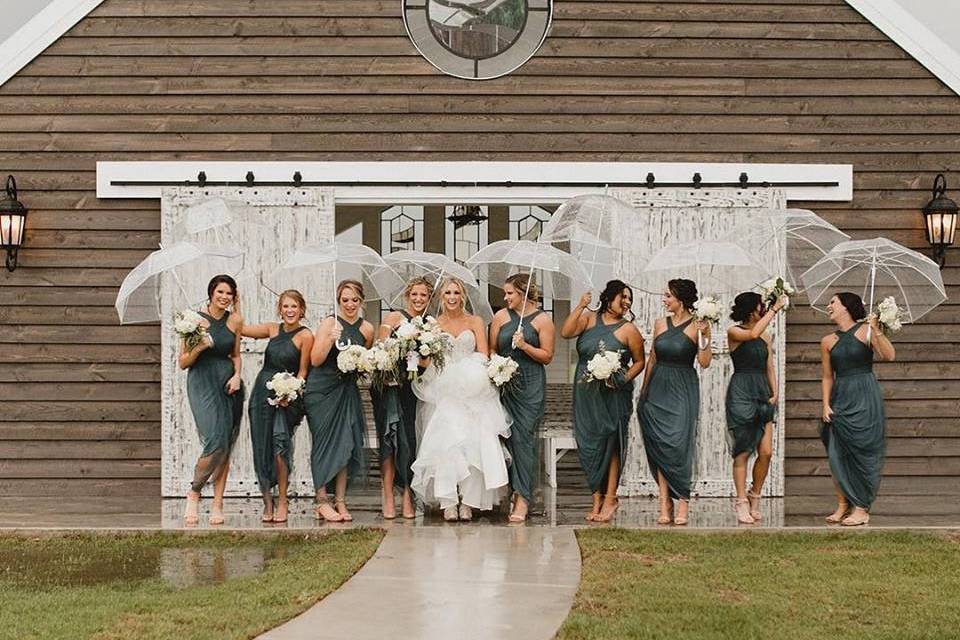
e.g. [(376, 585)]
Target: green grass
[(873, 585), (106, 587)]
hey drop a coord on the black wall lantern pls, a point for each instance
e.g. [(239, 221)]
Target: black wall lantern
[(940, 216), (13, 222)]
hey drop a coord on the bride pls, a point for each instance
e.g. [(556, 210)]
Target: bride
[(460, 462)]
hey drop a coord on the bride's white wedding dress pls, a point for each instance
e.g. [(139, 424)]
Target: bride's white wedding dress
[(460, 446)]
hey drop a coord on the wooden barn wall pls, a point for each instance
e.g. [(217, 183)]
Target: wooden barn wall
[(746, 81)]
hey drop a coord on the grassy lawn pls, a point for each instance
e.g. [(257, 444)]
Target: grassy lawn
[(169, 586), (780, 585)]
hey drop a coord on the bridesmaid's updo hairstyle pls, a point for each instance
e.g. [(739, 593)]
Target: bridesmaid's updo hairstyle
[(610, 292), (521, 282), (297, 297), (355, 286), (854, 304), (416, 282), (222, 278), (685, 291), (744, 305)]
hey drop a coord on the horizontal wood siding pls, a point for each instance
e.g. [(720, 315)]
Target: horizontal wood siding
[(746, 81)]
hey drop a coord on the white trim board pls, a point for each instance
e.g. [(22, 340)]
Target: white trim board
[(564, 176), (40, 32)]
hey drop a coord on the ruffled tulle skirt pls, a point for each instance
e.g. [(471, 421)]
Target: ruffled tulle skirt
[(460, 452)]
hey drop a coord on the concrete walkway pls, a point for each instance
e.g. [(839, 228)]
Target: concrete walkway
[(458, 581)]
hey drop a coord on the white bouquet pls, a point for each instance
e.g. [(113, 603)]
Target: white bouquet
[(603, 365), (422, 337), (707, 308), (188, 325), (772, 289), (889, 315), (382, 361), (285, 386), (352, 359), (501, 371)]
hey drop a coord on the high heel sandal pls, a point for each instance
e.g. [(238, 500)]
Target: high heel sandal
[(742, 509), (609, 516), (838, 515), (282, 507), (754, 504), (666, 518), (323, 511), (344, 515), (191, 515), (216, 514), (681, 521), (855, 520)]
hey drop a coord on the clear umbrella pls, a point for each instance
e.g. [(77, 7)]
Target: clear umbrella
[(875, 269), (716, 266), (139, 297), (409, 264), (794, 239)]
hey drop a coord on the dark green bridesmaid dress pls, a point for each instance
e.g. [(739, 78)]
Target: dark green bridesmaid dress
[(395, 416), (272, 427), (525, 402), (601, 414), (856, 436), (216, 413), (669, 408), (748, 397), (335, 415)]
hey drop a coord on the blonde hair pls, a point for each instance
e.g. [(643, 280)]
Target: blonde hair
[(463, 289), (297, 297), (522, 282), (414, 282), (356, 286)]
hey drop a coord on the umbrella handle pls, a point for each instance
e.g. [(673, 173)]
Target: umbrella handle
[(873, 280)]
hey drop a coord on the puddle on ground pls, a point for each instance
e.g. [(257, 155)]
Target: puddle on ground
[(178, 567)]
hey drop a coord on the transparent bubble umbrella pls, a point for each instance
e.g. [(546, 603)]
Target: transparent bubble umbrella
[(715, 266), (793, 239), (409, 264), (139, 297), (558, 273), (875, 269)]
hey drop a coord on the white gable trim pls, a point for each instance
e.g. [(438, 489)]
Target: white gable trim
[(914, 37), (40, 32)]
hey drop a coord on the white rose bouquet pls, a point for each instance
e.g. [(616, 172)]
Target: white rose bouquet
[(286, 387), (889, 315), (382, 361), (188, 325), (352, 360), (707, 308), (423, 338), (772, 289), (603, 365), (501, 370)]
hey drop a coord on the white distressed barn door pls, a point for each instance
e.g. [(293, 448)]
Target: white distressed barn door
[(268, 224), (668, 216)]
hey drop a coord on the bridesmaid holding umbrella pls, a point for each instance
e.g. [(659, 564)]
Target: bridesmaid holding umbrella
[(272, 422), (854, 424), (215, 393), (395, 410), (532, 348), (601, 410), (333, 406)]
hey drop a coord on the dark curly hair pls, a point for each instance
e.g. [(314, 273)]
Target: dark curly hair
[(224, 278), (610, 292), (852, 303), (685, 291), (745, 304)]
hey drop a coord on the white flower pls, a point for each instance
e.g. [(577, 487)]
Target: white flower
[(889, 315), (707, 308), (350, 360), (285, 386), (603, 365), (501, 369), (772, 289), (407, 330), (188, 325)]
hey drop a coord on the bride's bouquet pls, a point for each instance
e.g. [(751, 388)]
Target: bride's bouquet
[(422, 337), (501, 370), (188, 325), (707, 308), (889, 316), (603, 365), (286, 387), (353, 360), (382, 361), (772, 289)]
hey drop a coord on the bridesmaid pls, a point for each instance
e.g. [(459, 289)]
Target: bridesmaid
[(395, 411), (532, 348), (670, 403), (601, 414), (751, 397), (272, 427), (854, 424), (332, 403), (215, 393)]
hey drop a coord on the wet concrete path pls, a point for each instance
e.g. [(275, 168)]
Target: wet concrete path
[(460, 581)]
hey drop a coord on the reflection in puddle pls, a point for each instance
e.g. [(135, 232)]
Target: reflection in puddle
[(182, 568)]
